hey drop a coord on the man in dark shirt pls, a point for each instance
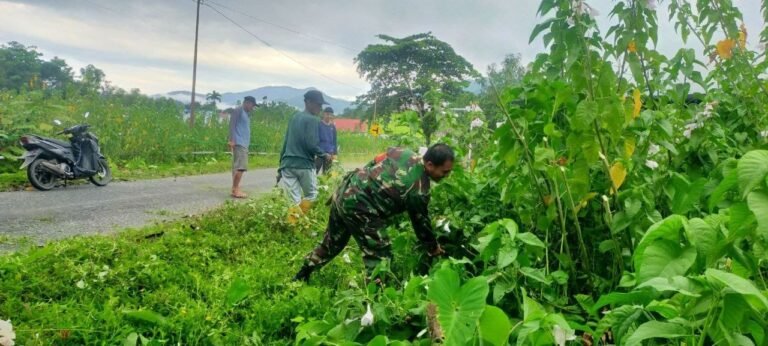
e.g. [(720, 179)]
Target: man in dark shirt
[(327, 136), (300, 147)]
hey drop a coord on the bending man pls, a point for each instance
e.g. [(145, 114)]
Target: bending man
[(394, 182)]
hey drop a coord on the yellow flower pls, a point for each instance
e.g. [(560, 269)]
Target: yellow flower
[(632, 47), (725, 48), (638, 106), (743, 36)]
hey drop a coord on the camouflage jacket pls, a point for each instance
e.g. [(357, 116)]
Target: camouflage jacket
[(393, 183)]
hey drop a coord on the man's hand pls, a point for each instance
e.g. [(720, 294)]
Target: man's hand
[(437, 251), (231, 146)]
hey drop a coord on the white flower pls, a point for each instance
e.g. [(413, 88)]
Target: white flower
[(446, 227), (562, 335), (653, 149), (7, 335), (346, 258), (764, 133), (80, 284), (476, 123), (651, 164), (687, 133), (367, 319), (689, 129)]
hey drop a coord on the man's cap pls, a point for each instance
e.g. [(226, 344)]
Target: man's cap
[(328, 110), (251, 99), (315, 96)]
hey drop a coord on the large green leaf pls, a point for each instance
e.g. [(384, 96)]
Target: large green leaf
[(536, 274), (656, 329), (618, 321), (146, 316), (684, 194), (758, 204), (751, 294), (741, 221), (730, 181), (459, 307), (494, 326), (665, 258), (585, 114), (668, 229), (237, 291), (638, 297), (530, 239), (705, 238), (752, 167)]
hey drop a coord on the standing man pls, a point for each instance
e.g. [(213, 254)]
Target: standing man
[(300, 147), (394, 182), (239, 140), (327, 136)]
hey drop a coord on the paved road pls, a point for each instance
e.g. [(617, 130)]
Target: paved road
[(87, 209)]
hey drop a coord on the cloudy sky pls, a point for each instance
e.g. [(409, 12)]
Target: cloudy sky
[(148, 44)]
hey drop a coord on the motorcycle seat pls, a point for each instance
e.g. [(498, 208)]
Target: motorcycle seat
[(59, 142)]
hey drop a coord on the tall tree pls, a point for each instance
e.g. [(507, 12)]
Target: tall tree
[(497, 78), (213, 97), (19, 65), (92, 78), (55, 73), (402, 71)]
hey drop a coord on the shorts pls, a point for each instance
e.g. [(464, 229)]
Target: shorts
[(298, 182), (240, 159)]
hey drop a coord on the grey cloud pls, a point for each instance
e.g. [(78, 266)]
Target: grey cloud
[(159, 35)]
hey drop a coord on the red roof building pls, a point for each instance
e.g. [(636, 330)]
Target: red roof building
[(350, 125)]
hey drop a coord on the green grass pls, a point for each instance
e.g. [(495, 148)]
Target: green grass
[(218, 279)]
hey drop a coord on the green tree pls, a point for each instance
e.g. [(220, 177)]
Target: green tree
[(403, 70), (19, 65), (92, 78), (499, 77), (213, 97), (55, 73)]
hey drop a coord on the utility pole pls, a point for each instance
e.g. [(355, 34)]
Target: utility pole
[(194, 69)]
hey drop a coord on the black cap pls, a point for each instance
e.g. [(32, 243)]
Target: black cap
[(251, 99), (315, 96), (328, 110)]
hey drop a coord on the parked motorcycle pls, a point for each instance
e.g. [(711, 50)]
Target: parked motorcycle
[(50, 161)]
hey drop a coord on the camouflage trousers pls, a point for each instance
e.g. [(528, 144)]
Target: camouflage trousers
[(367, 232)]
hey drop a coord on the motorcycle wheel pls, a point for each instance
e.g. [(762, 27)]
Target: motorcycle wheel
[(103, 175), (40, 177)]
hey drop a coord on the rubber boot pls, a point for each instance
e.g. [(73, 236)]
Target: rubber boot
[(303, 274), (305, 205)]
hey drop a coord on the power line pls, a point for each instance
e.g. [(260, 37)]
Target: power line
[(286, 28), (276, 49)]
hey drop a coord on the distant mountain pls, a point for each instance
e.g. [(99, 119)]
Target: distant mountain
[(289, 95)]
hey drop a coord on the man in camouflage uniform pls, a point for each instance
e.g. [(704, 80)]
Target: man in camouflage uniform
[(394, 182)]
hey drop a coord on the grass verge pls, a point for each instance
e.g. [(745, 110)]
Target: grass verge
[(218, 279)]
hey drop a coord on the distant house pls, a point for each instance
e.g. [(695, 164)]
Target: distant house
[(350, 125)]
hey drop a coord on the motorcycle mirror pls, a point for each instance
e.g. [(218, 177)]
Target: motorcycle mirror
[(57, 122), (87, 114)]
